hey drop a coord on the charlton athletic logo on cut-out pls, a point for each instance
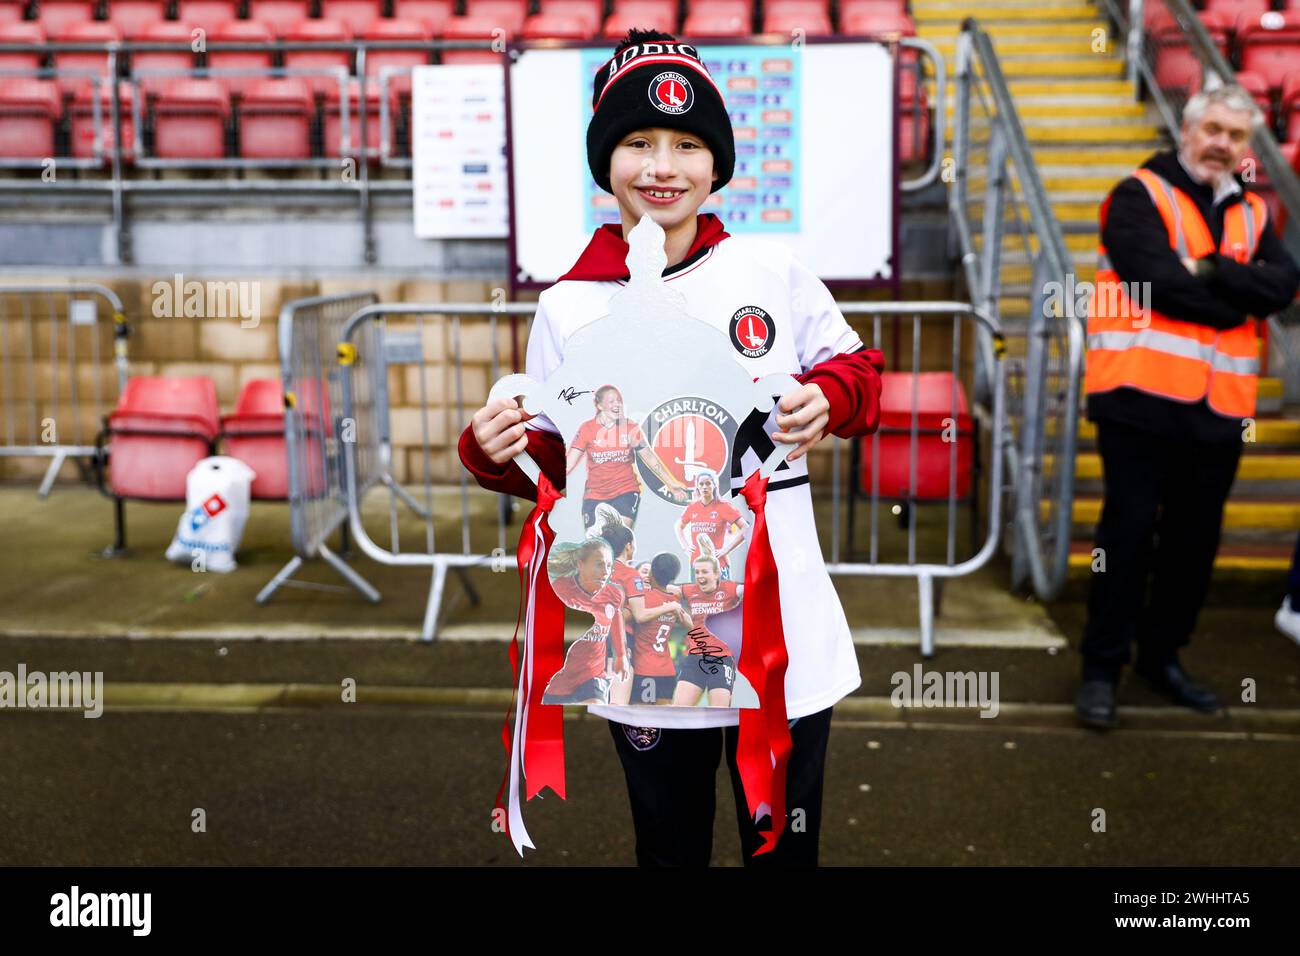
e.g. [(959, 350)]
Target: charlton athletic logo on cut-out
[(752, 332), (692, 437), (671, 93)]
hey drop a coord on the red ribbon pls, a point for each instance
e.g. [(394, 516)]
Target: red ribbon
[(763, 748), (543, 728)]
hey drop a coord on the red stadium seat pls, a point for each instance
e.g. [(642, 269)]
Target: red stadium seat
[(646, 14), (279, 15), (807, 18), (741, 8), (208, 14), (888, 6), (12, 11), (356, 15), (507, 14), (809, 8), (432, 13), (325, 63), (1270, 45), (1234, 11), (75, 68), (556, 26), (333, 126), (27, 32), (190, 121), (590, 12), (934, 415), (164, 31), (397, 64), (865, 21), (1176, 64), (29, 111), (240, 31), (133, 16), (1288, 114), (913, 126), (254, 433), (472, 28), (716, 25), (275, 119), (161, 428), (55, 15), (83, 123)]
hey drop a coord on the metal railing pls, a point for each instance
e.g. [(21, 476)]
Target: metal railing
[(1012, 250), (55, 343), (466, 541), (120, 133), (314, 430)]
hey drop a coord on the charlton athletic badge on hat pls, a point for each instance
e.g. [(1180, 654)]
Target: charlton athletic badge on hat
[(752, 331), (671, 92)]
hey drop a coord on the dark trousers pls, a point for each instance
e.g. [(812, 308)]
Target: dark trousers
[(1160, 525), (672, 781)]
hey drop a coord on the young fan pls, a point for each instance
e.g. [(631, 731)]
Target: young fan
[(660, 141)]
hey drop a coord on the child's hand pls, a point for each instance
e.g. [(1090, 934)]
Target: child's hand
[(802, 428), (499, 430)]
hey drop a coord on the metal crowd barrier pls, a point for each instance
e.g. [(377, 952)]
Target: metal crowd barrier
[(1014, 257), (314, 429), (55, 341), (407, 329)]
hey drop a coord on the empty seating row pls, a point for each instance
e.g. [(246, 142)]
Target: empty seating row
[(277, 118), (562, 19)]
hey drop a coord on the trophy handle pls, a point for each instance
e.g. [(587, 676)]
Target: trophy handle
[(526, 389)]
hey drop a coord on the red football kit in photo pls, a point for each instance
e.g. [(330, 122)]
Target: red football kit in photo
[(777, 316), (624, 577), (610, 469), (702, 605), (712, 519), (586, 656), (650, 655)]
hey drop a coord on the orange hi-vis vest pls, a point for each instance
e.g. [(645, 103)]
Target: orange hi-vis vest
[(1133, 345)]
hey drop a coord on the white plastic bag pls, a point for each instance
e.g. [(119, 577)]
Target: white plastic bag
[(216, 509)]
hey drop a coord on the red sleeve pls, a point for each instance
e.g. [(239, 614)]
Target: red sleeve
[(546, 448), (729, 513), (851, 383)]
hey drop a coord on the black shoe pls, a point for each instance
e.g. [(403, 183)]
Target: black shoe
[(1094, 704), (1172, 681)]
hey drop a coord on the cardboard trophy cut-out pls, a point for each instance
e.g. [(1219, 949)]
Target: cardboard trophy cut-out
[(650, 540)]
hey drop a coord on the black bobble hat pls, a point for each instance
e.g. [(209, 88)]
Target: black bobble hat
[(654, 80)]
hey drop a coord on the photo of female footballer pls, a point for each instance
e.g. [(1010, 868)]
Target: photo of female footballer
[(608, 442), (708, 665), (654, 672), (709, 516), (637, 609), (580, 576)]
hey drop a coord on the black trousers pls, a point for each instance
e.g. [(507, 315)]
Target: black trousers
[(1159, 529), (672, 781)]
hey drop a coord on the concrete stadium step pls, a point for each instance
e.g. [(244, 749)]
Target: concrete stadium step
[(1281, 515), (935, 30), (1270, 432), (1057, 107), (1273, 559), (1124, 132), (1255, 467)]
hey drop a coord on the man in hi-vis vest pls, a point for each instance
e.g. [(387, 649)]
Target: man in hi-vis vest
[(1188, 261)]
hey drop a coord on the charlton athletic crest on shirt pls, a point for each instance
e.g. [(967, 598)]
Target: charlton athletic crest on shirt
[(671, 92), (752, 332), (652, 531)]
